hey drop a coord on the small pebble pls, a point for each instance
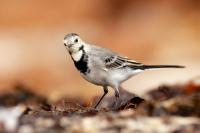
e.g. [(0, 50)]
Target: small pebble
[(26, 129), (64, 122), (44, 122)]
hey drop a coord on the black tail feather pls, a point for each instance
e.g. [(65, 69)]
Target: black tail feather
[(144, 67)]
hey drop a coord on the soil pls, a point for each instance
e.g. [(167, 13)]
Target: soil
[(165, 109)]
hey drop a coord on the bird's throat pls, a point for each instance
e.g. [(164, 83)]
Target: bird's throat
[(76, 56)]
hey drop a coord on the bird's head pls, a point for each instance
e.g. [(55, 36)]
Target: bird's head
[(73, 42)]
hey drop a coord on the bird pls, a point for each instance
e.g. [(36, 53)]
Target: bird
[(102, 66)]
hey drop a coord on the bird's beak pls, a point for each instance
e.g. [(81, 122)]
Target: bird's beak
[(65, 44)]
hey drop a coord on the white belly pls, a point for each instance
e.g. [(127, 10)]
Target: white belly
[(121, 75), (111, 77)]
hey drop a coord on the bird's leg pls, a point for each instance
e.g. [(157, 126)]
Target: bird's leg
[(105, 88), (117, 98)]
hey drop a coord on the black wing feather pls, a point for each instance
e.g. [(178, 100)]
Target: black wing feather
[(116, 62)]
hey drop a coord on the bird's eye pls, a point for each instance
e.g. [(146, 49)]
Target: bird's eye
[(76, 40)]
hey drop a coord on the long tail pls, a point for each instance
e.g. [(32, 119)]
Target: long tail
[(144, 67)]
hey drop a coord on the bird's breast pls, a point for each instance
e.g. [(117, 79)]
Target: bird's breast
[(82, 63), (97, 77)]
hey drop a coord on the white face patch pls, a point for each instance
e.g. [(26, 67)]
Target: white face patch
[(77, 55)]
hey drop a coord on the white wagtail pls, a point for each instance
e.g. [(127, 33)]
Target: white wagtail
[(102, 66)]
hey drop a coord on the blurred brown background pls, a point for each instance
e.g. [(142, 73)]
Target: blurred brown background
[(152, 32)]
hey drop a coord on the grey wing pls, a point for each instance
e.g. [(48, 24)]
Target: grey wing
[(108, 59)]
